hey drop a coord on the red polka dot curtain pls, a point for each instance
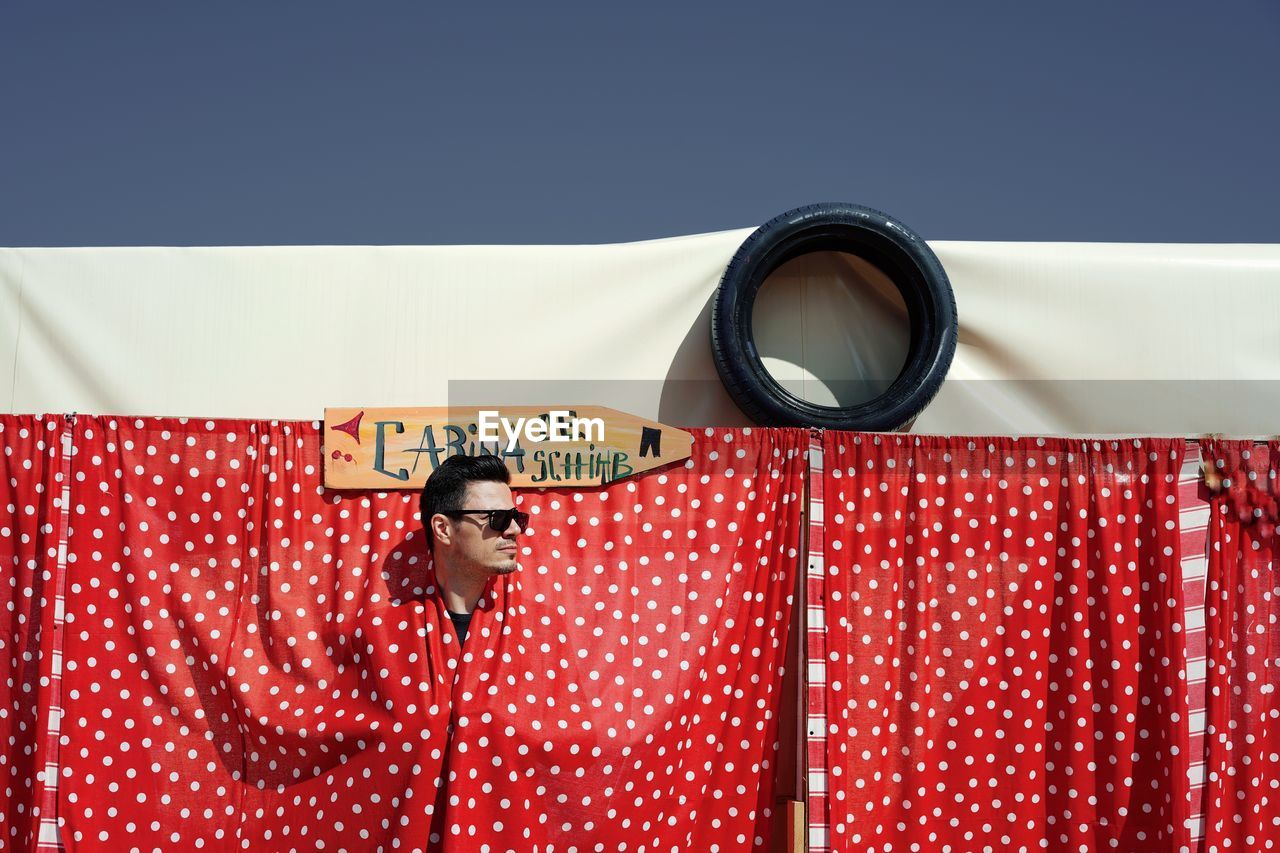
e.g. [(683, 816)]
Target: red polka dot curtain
[(1242, 678), (205, 648), (1003, 666), (623, 692), (254, 662)]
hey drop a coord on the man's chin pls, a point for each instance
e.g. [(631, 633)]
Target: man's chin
[(506, 568)]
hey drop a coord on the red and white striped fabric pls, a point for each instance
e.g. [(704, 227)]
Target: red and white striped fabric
[(1193, 523), (50, 838), (815, 647)]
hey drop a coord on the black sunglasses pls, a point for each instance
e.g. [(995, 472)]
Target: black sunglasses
[(499, 519)]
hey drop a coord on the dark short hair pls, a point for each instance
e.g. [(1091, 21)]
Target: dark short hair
[(446, 488)]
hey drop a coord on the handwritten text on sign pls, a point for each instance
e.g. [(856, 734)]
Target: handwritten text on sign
[(541, 445)]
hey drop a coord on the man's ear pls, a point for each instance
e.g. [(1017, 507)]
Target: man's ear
[(442, 529)]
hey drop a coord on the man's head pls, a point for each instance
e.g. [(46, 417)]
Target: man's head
[(455, 505)]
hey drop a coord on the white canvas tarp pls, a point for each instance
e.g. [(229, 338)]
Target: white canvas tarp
[(1055, 338)]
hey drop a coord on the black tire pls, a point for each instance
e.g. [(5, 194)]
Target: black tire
[(868, 234)]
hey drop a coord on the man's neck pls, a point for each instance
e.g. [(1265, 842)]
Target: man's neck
[(461, 589)]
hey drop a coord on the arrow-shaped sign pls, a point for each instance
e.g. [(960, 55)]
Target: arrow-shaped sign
[(398, 448)]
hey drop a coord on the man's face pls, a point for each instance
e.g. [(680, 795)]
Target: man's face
[(477, 544)]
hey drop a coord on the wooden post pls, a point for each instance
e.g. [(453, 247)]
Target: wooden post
[(796, 827)]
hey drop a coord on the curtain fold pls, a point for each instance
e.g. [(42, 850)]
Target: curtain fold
[(1241, 799), (1003, 665), (253, 660)]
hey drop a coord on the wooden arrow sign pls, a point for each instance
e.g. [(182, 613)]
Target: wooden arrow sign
[(398, 448)]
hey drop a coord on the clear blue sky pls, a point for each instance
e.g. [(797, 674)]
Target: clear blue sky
[(303, 123)]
